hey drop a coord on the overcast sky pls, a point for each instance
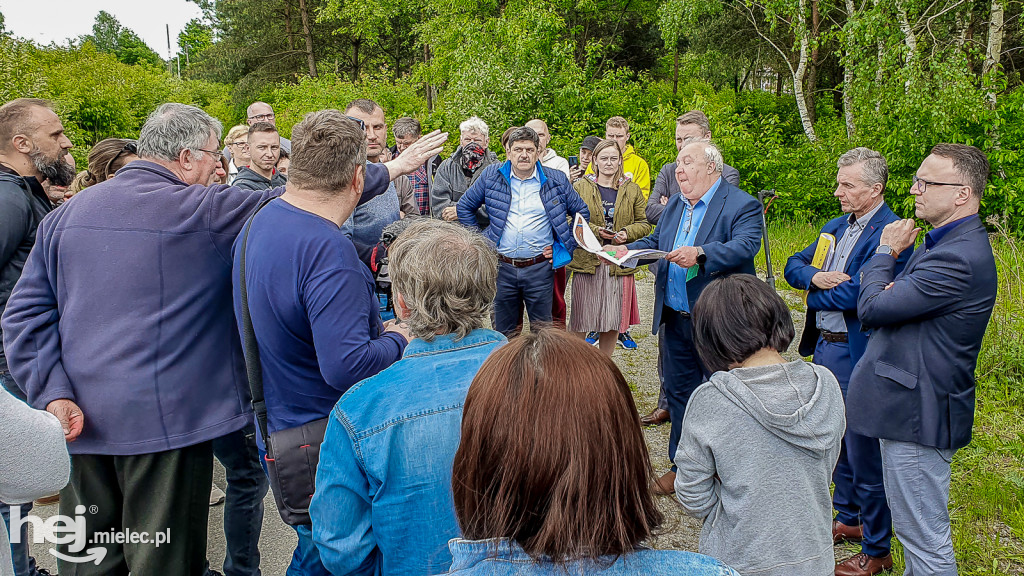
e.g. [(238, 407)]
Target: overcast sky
[(45, 21)]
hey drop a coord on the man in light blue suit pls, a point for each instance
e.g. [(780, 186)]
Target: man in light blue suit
[(914, 387), (832, 334), (711, 229)]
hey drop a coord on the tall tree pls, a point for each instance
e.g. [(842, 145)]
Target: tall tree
[(108, 35)]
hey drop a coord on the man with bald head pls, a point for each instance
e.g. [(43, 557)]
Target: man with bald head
[(548, 157), (260, 112), (711, 229)]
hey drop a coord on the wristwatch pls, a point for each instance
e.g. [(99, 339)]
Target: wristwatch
[(701, 256), (885, 249)]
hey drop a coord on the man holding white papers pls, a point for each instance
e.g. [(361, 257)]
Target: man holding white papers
[(832, 334), (710, 230)]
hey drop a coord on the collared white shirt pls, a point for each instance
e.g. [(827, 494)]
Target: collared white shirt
[(527, 230), (832, 320)]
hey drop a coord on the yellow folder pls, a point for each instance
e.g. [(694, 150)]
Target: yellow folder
[(823, 254)]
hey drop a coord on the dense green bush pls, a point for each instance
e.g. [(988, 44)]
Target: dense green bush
[(759, 132)]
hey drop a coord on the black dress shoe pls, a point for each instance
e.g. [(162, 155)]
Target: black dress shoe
[(655, 418)]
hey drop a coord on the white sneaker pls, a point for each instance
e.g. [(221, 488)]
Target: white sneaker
[(216, 496)]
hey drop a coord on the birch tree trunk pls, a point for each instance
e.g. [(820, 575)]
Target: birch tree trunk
[(800, 74), (993, 51), (304, 12), (851, 45), (909, 39)]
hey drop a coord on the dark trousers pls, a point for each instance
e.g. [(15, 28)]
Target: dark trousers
[(859, 495), (147, 493), (684, 371), (531, 286), (243, 505), (558, 298)]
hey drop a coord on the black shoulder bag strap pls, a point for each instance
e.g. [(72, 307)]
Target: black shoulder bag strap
[(253, 367)]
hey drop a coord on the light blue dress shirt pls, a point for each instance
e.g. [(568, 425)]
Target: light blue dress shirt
[(689, 224), (527, 230)]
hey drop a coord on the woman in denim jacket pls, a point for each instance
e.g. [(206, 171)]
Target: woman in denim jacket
[(536, 493)]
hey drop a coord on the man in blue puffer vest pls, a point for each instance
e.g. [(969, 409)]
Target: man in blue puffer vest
[(529, 208)]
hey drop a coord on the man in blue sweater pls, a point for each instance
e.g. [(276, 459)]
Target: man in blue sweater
[(314, 313), (529, 208), (122, 327)]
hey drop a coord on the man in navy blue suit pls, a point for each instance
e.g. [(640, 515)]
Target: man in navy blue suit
[(914, 387), (710, 230), (832, 334)]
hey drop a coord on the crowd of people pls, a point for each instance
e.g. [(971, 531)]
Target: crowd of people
[(342, 323)]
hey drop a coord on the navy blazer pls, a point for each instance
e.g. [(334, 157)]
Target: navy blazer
[(730, 235), (842, 298), (915, 382)]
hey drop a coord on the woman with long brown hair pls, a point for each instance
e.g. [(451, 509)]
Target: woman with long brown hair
[(536, 492), (105, 159), (604, 295)]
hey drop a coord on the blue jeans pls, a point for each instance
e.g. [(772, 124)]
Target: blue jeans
[(917, 488), (533, 286), (305, 558), (24, 563), (243, 505)]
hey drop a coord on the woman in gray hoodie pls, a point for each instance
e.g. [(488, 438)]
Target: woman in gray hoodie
[(759, 439)]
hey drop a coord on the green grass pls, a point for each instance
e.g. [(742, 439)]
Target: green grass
[(987, 489)]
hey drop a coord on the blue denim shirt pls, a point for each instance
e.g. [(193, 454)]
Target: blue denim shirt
[(383, 501), (502, 557)]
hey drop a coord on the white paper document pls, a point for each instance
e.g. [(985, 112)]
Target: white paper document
[(586, 240)]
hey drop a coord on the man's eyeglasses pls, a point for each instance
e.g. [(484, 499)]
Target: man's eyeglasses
[(217, 154), (131, 147), (362, 125), (923, 184), (262, 117)]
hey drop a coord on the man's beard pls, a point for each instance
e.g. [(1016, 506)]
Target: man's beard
[(57, 171)]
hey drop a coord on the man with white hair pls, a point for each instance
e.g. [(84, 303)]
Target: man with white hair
[(122, 327), (711, 229), (458, 173)]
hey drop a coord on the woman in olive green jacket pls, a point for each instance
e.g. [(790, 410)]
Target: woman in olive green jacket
[(603, 294)]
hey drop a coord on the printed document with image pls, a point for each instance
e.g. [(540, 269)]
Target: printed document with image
[(586, 240)]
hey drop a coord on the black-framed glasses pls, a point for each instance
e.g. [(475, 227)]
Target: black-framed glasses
[(217, 154), (923, 184), (262, 117), (131, 147), (362, 125)]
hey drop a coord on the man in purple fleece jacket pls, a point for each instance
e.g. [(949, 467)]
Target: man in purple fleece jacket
[(122, 327)]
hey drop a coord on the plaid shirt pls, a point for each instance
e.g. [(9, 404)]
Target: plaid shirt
[(421, 189)]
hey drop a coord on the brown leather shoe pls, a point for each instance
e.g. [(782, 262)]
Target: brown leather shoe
[(842, 532), (657, 417), (864, 565), (47, 500), (666, 485)]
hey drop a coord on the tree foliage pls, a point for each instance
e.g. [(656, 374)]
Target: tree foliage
[(109, 36)]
